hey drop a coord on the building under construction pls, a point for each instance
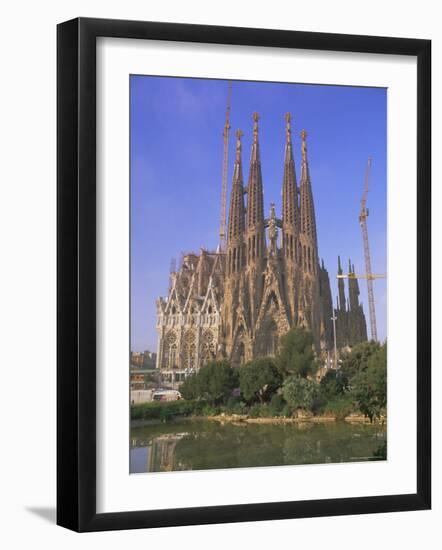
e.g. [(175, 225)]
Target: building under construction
[(264, 278)]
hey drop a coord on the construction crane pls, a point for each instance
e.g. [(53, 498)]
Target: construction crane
[(222, 222), (357, 276), (363, 215)]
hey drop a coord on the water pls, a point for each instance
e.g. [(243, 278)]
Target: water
[(205, 444)]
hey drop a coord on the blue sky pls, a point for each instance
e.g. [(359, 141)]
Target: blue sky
[(176, 129)]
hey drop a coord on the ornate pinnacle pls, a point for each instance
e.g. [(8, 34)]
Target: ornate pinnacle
[(288, 129), (255, 117), (303, 135), (239, 135)]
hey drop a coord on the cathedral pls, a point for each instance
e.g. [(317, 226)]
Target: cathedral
[(238, 302)]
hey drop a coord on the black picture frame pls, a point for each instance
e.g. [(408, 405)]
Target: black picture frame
[(77, 287)]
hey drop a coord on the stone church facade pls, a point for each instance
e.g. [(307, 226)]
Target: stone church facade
[(237, 303)]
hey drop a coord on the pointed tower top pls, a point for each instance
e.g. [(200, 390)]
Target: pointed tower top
[(255, 117), (236, 211), (349, 266), (305, 175), (290, 209), (239, 135), (339, 264), (288, 128)]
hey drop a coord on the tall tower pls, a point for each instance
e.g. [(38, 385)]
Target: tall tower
[(309, 310), (234, 342), (235, 233), (290, 221), (308, 220), (255, 231)]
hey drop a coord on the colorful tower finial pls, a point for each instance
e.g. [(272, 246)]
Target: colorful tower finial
[(288, 127), (238, 134)]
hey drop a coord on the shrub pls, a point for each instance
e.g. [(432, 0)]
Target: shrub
[(259, 379), (277, 405), (340, 407), (214, 383), (235, 406), (369, 387), (255, 410), (332, 384), (210, 410), (162, 410), (299, 392)]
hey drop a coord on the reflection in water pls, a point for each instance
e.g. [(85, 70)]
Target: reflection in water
[(202, 445)]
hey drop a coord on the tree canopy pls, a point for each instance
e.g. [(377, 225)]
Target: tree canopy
[(369, 385), (296, 355), (300, 392), (259, 379), (357, 359), (214, 383)]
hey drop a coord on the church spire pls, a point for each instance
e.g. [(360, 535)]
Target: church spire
[(308, 221), (289, 186), (236, 213), (290, 208), (255, 201)]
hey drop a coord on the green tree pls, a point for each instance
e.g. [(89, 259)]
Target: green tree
[(332, 384), (357, 359), (299, 392), (296, 355), (189, 388), (369, 385), (259, 379), (214, 383)]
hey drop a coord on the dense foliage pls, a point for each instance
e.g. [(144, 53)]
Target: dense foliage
[(356, 360), (164, 410), (259, 380), (267, 387), (369, 385), (296, 355), (214, 383), (300, 393)]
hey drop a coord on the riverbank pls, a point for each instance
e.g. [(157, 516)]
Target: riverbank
[(246, 419), (354, 418), (168, 411)]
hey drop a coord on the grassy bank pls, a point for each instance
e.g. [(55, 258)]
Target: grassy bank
[(165, 410), (235, 409)]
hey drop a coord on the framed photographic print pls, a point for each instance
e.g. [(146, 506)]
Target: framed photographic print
[(243, 274)]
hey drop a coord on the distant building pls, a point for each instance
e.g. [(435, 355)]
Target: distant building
[(143, 359), (237, 303)]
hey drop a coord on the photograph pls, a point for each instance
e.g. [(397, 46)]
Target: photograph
[(258, 288)]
